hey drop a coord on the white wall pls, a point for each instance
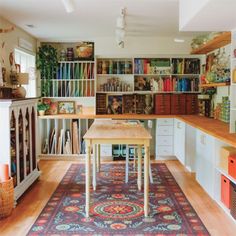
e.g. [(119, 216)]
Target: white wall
[(141, 46), (188, 9), (11, 41)]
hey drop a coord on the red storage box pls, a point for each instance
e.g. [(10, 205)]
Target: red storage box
[(225, 191), (232, 166)]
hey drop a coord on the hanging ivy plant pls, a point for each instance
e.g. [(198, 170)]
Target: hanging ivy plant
[(47, 64)]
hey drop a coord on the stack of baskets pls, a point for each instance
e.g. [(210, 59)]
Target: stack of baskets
[(6, 198)]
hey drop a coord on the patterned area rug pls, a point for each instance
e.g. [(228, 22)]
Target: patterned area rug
[(116, 207)]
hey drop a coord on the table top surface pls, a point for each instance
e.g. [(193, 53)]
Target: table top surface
[(117, 129)]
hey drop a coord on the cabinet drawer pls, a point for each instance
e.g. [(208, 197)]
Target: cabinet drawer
[(166, 121), (164, 140), (164, 130), (164, 150), (106, 150)]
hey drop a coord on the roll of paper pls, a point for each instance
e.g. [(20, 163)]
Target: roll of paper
[(4, 172)]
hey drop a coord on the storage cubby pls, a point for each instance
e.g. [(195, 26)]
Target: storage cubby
[(62, 138)]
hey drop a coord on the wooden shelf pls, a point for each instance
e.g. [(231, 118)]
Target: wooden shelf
[(217, 42), (214, 85)]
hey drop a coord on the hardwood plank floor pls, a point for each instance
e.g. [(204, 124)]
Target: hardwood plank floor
[(30, 205)]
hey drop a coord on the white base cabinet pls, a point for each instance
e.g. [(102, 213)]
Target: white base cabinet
[(205, 158), (179, 140), (190, 148), (164, 138)]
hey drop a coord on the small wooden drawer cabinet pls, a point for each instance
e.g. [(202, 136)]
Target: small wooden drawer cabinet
[(162, 104)]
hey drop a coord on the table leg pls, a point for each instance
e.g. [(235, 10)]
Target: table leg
[(146, 180), (127, 164), (94, 166), (139, 167), (87, 178), (98, 157)]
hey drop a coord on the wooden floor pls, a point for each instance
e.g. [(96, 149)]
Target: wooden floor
[(31, 204)]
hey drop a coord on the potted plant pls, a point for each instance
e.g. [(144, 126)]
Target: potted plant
[(42, 107)]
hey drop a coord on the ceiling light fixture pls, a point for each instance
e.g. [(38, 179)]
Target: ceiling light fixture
[(69, 5), (177, 40), (120, 28)]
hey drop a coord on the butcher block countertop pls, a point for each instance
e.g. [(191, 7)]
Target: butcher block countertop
[(215, 128)]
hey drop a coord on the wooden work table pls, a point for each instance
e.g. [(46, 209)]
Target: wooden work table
[(216, 128), (117, 132)]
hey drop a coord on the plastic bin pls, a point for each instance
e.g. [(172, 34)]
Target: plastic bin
[(225, 191), (232, 166)]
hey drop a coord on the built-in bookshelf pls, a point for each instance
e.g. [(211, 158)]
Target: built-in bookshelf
[(133, 85)]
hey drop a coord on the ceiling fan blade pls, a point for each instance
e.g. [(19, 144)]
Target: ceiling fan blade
[(69, 5)]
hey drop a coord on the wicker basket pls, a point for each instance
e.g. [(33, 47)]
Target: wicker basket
[(6, 198)]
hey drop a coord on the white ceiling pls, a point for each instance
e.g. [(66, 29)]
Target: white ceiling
[(93, 18), (210, 15)]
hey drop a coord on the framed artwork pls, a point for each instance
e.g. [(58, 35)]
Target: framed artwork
[(85, 51), (114, 104), (66, 107)]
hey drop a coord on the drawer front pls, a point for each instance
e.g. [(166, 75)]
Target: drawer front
[(164, 140), (106, 150), (163, 121), (164, 130), (164, 150)]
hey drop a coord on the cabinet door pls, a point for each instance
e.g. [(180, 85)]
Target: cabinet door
[(179, 140), (205, 161)]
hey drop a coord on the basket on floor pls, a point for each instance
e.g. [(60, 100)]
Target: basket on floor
[(6, 198)]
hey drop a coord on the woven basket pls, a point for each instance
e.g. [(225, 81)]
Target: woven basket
[(6, 198)]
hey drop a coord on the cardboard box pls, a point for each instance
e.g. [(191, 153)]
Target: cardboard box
[(225, 152)]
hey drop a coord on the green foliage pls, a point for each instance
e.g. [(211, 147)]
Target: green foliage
[(42, 107), (47, 64)]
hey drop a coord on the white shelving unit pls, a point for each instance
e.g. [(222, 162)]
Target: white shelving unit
[(130, 77), (19, 136)]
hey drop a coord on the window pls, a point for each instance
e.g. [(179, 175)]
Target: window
[(27, 65)]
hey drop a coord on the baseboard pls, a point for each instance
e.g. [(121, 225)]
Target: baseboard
[(165, 158)]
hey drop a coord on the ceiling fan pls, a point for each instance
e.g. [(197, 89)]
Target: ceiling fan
[(69, 5)]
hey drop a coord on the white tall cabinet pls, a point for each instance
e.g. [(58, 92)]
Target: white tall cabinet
[(18, 140)]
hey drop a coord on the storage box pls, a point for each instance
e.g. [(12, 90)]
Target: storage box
[(225, 191), (232, 165), (225, 152), (233, 200)]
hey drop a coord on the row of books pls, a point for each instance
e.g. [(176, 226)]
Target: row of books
[(179, 84), (70, 71), (166, 84), (186, 66), (165, 66), (150, 66), (63, 141), (72, 88)]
